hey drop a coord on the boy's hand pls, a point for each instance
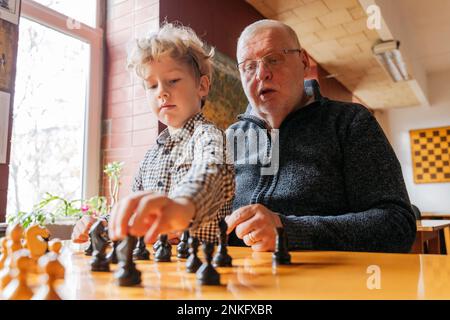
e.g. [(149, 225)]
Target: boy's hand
[(80, 233), (149, 214)]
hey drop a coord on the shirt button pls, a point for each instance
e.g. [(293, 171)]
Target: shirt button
[(160, 184)]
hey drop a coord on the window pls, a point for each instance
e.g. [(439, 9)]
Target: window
[(57, 106)]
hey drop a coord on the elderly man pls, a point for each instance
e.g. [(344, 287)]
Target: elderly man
[(337, 184)]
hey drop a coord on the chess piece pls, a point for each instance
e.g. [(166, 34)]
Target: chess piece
[(222, 258), (206, 274), (141, 252), (281, 255), (14, 236), (55, 246), (164, 251), (183, 247), (4, 250), (89, 249), (127, 274), (53, 270), (99, 238), (35, 236), (193, 262), (112, 256), (18, 288)]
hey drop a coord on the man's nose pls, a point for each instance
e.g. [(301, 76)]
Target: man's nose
[(263, 72)]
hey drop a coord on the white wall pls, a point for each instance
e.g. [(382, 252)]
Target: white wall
[(430, 197)]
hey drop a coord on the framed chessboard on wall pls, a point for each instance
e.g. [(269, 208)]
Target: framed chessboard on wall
[(430, 150)]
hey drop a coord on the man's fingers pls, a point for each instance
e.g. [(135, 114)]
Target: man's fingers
[(239, 216), (253, 237), (246, 227)]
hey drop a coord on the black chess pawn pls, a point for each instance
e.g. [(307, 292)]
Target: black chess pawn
[(164, 251), (183, 247), (281, 255), (99, 240), (127, 275), (112, 256), (222, 258), (193, 262), (206, 274), (141, 252)]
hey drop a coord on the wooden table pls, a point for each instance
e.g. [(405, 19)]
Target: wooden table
[(429, 231), (313, 275), (435, 215)]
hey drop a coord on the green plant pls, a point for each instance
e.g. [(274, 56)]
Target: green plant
[(52, 207), (113, 171)]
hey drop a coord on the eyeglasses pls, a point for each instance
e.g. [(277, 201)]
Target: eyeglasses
[(271, 60)]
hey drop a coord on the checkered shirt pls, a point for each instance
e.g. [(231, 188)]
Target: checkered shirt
[(191, 163)]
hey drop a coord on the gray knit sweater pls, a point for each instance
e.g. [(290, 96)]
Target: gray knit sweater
[(339, 185)]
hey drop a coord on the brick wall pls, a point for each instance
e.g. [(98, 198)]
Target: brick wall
[(129, 127)]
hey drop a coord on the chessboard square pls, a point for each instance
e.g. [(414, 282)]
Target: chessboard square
[(422, 134), (426, 170), (433, 176), (424, 158), (418, 164), (439, 170), (429, 140), (437, 139), (447, 175), (437, 145), (436, 133), (430, 152), (443, 139)]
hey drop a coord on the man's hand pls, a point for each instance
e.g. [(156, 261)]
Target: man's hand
[(80, 233), (149, 214), (256, 225)]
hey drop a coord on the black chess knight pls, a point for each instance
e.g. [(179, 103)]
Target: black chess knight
[(164, 251), (112, 256), (99, 239), (141, 252)]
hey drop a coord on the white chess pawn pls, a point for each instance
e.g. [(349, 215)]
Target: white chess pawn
[(18, 288), (53, 270)]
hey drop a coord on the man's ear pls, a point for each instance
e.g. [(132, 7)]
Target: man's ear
[(305, 60), (204, 86)]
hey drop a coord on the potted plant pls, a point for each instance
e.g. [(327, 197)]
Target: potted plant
[(59, 215)]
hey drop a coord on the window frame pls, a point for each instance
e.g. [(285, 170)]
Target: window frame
[(91, 176)]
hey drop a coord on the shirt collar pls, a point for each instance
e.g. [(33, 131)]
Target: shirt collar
[(185, 132)]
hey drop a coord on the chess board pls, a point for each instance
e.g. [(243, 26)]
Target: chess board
[(312, 275), (431, 155)]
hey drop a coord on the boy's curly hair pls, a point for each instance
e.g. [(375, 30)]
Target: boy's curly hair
[(180, 42)]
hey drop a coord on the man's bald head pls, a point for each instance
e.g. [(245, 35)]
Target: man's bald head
[(258, 26)]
